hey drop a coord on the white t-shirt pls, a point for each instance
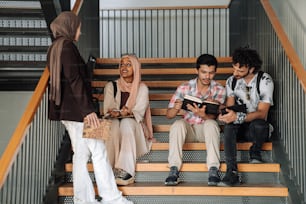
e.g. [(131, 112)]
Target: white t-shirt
[(248, 94)]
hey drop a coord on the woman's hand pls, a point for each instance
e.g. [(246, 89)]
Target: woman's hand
[(93, 120), (114, 113), (124, 111)]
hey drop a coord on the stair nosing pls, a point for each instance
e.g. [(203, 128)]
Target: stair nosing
[(194, 167), (191, 189)]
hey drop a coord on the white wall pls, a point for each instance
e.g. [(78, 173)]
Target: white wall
[(12, 106), (72, 3), (282, 8), (293, 19)]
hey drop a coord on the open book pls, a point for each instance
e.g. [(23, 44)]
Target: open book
[(211, 107)]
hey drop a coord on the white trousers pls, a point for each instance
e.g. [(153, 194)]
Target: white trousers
[(181, 132), (82, 184)]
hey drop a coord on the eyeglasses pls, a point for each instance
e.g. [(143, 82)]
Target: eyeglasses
[(248, 89)]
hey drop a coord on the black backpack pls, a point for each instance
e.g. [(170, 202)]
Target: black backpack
[(260, 73)]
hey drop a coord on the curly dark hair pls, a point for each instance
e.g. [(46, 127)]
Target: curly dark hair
[(247, 57), (208, 60)]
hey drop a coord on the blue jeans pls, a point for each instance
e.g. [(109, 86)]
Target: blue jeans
[(256, 132)]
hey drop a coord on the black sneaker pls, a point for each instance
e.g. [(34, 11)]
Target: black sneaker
[(123, 178), (231, 178), (214, 176), (255, 157), (255, 161), (173, 178)]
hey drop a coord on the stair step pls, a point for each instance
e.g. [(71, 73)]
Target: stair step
[(195, 167), (25, 31), (201, 146), (21, 63), (153, 84), (21, 12), (159, 71), (189, 60), (21, 49), (191, 189)]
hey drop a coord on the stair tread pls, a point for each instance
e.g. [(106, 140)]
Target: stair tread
[(194, 167), (24, 48), (191, 188), (153, 84), (201, 146), (159, 71), (24, 31), (191, 60)]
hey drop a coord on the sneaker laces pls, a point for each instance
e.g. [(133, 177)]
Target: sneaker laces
[(121, 173), (213, 171), (174, 171)]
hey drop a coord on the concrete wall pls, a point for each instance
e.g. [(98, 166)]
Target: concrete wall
[(12, 106)]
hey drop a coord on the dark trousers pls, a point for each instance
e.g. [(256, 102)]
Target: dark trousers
[(256, 132)]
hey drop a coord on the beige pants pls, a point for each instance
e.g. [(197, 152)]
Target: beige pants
[(126, 144), (181, 132)]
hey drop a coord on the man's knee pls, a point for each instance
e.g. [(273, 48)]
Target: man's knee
[(211, 124), (260, 128), (230, 131), (259, 125), (177, 125)]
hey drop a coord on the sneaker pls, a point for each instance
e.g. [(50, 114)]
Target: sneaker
[(123, 178), (214, 176), (255, 157), (255, 161), (231, 178), (116, 172), (173, 178), (121, 200)]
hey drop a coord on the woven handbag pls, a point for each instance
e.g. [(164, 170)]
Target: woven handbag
[(102, 132)]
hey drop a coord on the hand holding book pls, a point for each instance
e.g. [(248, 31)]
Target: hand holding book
[(116, 113), (211, 107)]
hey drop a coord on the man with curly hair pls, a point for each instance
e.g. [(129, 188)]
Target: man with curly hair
[(253, 89)]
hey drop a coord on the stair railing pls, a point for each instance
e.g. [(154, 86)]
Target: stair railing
[(28, 160)]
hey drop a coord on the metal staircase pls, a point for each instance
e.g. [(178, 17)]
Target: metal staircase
[(24, 40)]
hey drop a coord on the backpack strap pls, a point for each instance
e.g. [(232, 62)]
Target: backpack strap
[(115, 88), (259, 76), (234, 83), (260, 73)]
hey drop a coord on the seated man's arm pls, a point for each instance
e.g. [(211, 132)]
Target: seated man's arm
[(172, 112), (260, 113)]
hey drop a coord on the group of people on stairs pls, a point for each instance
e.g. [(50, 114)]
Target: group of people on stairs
[(126, 102)]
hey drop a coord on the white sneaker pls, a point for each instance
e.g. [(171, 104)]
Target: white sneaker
[(121, 200), (125, 201)]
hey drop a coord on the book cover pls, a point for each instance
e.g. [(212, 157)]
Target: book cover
[(101, 132), (211, 107)]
